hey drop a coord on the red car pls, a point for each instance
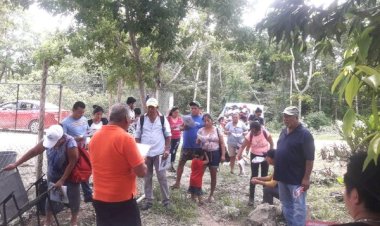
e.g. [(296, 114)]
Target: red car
[(24, 115)]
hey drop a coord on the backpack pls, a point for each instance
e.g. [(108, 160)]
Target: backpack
[(82, 169), (162, 119), (264, 133)]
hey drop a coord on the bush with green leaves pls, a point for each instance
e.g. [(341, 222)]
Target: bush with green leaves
[(317, 119)]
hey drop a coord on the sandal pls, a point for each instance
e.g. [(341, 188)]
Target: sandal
[(174, 186), (210, 199)]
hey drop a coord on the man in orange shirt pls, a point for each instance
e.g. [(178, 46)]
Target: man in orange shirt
[(116, 162)]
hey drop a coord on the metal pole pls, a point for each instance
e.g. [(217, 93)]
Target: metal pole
[(18, 92), (60, 102), (208, 86)]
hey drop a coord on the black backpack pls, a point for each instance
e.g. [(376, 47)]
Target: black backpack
[(162, 119)]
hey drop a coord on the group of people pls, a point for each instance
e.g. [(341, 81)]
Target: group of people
[(116, 161)]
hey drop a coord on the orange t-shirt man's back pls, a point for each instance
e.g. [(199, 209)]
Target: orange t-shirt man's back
[(113, 155)]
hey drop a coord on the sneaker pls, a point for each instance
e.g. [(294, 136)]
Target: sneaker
[(146, 206), (167, 206)]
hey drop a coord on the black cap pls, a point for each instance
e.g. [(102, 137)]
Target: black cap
[(131, 100), (195, 103)]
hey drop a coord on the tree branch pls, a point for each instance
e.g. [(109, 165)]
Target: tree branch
[(182, 66)]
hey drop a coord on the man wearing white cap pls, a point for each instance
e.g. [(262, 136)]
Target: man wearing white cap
[(294, 163), (62, 155), (153, 129)]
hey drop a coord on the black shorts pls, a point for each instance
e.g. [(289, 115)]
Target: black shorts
[(117, 213), (195, 190), (187, 153)]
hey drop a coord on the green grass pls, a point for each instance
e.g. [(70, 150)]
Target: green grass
[(325, 207), (182, 208), (327, 137)]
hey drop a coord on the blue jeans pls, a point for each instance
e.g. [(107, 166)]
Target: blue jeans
[(293, 208)]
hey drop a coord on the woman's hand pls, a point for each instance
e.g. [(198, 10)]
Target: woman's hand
[(222, 158), (59, 184), (239, 155)]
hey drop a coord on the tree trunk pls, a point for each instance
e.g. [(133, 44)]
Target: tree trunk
[(320, 102), (300, 92), (158, 69), (41, 125), (139, 69), (120, 85), (300, 106), (196, 84), (291, 89), (208, 86), (110, 101)]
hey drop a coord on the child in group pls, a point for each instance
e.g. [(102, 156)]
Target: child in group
[(197, 170)]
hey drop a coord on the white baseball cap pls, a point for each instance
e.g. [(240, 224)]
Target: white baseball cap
[(53, 134), (152, 102)]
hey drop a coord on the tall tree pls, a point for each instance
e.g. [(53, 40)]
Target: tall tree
[(49, 54), (145, 29), (294, 23)]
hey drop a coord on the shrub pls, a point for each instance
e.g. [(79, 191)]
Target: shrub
[(317, 119)]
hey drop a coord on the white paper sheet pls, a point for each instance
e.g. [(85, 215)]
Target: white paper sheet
[(258, 159), (143, 148), (59, 195), (188, 121), (164, 164)]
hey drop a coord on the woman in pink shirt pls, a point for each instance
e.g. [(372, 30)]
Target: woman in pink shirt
[(260, 141), (175, 122)]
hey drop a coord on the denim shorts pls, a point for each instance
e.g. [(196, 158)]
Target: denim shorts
[(187, 154), (213, 158)]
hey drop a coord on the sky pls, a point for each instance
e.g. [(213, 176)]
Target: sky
[(43, 22)]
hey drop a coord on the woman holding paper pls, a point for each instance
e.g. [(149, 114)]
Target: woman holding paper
[(175, 122), (62, 155), (259, 141)]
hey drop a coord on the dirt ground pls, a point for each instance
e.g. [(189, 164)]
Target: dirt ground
[(231, 193)]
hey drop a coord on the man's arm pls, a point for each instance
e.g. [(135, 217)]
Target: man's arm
[(306, 178), (140, 170)]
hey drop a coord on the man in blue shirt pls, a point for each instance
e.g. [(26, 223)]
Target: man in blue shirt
[(190, 129), (294, 163), (76, 125)]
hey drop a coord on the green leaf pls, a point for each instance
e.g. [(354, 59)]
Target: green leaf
[(364, 43), (351, 90), (340, 180), (337, 81), (348, 122), (375, 112), (373, 81), (368, 70), (373, 151), (374, 145), (373, 76)]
